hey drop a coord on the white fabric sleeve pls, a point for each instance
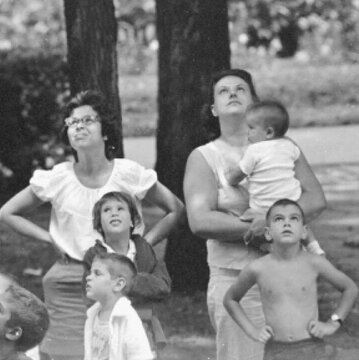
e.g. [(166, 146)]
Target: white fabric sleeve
[(296, 152), (136, 341), (248, 161), (138, 178), (47, 183)]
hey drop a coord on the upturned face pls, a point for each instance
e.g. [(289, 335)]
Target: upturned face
[(99, 281), (84, 128), (286, 225), (115, 218), (232, 95)]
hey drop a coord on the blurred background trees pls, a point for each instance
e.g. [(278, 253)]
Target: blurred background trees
[(286, 44)]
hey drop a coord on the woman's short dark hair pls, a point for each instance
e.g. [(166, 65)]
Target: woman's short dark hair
[(211, 124), (115, 195), (109, 124)]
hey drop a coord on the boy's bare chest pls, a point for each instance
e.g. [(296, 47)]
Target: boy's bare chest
[(295, 281)]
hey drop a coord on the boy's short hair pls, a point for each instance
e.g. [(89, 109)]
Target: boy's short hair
[(119, 266), (115, 195), (274, 115), (29, 313), (284, 202)]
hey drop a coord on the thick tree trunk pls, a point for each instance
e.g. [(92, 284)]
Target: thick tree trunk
[(91, 30), (193, 43)]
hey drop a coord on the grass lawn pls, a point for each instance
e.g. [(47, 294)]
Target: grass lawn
[(315, 94), (184, 316)]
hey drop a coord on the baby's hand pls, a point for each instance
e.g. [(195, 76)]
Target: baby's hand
[(231, 173), (320, 329), (264, 334), (256, 231)]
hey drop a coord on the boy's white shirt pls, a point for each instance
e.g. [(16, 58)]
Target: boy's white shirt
[(270, 167), (124, 325)]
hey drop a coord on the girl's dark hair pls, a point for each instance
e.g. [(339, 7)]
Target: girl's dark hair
[(115, 195), (109, 124), (210, 122)]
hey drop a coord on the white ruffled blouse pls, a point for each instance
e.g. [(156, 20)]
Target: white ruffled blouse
[(72, 202)]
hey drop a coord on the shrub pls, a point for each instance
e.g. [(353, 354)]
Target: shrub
[(33, 90)]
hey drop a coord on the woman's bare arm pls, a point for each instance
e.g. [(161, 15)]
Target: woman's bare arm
[(312, 199), (12, 214), (200, 192), (162, 197)]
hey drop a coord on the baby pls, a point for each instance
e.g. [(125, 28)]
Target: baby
[(108, 283), (269, 163)]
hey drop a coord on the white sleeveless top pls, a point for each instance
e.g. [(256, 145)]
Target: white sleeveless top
[(231, 200), (72, 202)]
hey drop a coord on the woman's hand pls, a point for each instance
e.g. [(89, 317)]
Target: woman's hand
[(255, 234), (163, 198)]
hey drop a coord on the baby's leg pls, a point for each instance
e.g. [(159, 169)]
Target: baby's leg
[(311, 244)]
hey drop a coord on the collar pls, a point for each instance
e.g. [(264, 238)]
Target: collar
[(131, 253), (120, 309)]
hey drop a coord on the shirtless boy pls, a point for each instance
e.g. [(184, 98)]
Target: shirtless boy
[(287, 279)]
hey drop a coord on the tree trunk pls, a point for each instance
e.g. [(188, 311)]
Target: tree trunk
[(193, 43), (91, 30)]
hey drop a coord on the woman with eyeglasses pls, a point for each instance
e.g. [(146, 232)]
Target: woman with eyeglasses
[(73, 188)]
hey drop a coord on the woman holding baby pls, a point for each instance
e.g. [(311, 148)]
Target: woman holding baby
[(214, 207)]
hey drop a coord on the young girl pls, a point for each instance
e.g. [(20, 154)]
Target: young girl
[(115, 216)]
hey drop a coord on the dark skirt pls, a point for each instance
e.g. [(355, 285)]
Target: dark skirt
[(67, 310)]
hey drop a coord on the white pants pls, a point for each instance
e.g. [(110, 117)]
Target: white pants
[(231, 342)]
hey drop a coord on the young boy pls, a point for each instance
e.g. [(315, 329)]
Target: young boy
[(113, 329), (269, 163), (287, 281), (23, 320)]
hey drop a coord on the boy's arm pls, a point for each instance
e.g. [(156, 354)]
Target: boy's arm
[(342, 283), (245, 280)]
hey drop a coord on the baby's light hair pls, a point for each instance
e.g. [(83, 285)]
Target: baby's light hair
[(119, 266), (29, 313), (284, 202), (272, 114)]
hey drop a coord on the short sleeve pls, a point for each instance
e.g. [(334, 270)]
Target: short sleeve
[(137, 344), (248, 161), (47, 183), (296, 152), (135, 176)]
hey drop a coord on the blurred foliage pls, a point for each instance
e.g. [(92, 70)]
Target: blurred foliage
[(35, 26), (279, 25), (33, 89), (34, 83)]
